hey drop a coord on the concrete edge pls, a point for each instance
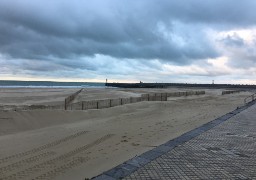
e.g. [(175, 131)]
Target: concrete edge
[(128, 167)]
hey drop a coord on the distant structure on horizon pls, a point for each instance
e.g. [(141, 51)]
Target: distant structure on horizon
[(166, 85)]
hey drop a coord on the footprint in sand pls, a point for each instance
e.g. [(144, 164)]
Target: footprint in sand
[(125, 140), (135, 144), (169, 125)]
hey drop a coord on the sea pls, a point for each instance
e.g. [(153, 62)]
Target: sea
[(49, 84)]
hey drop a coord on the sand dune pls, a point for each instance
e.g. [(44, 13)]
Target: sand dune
[(57, 144)]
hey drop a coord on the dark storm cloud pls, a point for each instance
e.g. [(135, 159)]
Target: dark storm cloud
[(62, 29)]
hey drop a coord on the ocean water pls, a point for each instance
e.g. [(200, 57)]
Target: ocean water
[(49, 84)]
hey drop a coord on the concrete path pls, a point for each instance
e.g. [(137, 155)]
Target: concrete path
[(222, 149)]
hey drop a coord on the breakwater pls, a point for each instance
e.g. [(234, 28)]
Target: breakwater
[(166, 85)]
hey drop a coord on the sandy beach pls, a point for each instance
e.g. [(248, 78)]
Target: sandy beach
[(59, 144)]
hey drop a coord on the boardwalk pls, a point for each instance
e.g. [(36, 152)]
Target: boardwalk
[(222, 149)]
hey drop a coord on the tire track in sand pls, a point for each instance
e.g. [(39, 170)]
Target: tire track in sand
[(24, 162), (55, 166), (40, 148), (57, 171)]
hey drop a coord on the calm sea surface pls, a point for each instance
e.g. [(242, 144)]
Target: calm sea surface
[(49, 84)]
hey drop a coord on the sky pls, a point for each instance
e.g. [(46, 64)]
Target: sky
[(184, 41)]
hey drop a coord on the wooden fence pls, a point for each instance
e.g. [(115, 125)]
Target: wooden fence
[(70, 98), (106, 103), (230, 92)]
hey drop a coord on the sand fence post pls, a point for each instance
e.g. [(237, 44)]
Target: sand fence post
[(163, 96), (70, 98)]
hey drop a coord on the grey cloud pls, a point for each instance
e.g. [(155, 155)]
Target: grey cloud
[(37, 29), (233, 40), (241, 56), (60, 33), (219, 13)]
